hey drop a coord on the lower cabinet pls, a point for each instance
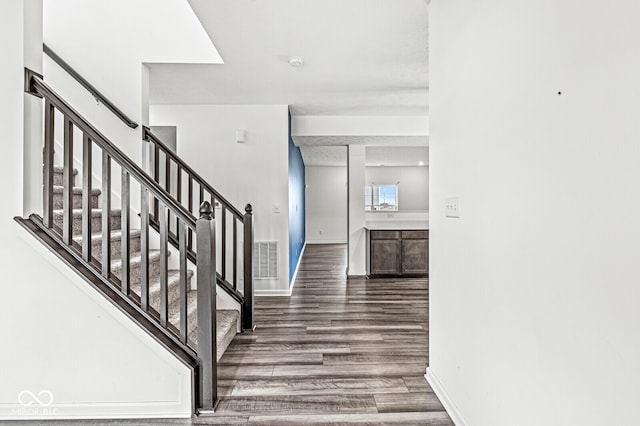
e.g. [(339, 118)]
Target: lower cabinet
[(415, 257), (399, 253), (385, 256)]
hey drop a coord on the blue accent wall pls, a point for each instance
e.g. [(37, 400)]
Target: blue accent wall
[(296, 205)]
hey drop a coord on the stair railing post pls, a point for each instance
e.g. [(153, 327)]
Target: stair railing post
[(247, 308), (206, 291)]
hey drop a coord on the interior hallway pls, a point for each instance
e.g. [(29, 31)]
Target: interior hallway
[(337, 351)]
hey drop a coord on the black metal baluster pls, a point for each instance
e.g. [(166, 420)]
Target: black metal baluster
[(106, 214), (87, 199), (178, 192), (167, 182), (182, 237), (124, 232), (67, 189), (156, 176), (49, 134), (164, 256), (235, 253), (144, 249), (224, 243), (190, 208)]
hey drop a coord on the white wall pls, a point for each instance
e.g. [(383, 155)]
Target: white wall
[(108, 43), (254, 172), (58, 334), (326, 204), (413, 190), (534, 291)]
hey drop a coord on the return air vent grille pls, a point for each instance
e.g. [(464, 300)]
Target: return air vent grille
[(265, 260)]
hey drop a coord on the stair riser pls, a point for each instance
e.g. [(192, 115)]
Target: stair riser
[(173, 293), (77, 201), (134, 246), (96, 223), (224, 343), (192, 322), (192, 315), (134, 274), (58, 179)]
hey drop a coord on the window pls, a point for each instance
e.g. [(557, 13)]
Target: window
[(381, 198)]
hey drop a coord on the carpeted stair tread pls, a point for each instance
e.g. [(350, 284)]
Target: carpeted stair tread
[(60, 170), (58, 175), (226, 320), (173, 288), (58, 194), (96, 219), (116, 235), (226, 329), (192, 308), (58, 189), (77, 213), (135, 259), (135, 262)]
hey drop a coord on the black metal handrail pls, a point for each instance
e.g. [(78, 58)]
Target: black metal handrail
[(41, 88), (84, 83), (148, 136)]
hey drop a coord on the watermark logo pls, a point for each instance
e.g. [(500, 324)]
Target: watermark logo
[(27, 398), (35, 404)]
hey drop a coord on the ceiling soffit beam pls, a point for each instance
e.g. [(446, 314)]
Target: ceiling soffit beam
[(358, 126)]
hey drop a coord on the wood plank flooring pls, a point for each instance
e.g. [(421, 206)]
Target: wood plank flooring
[(337, 351)]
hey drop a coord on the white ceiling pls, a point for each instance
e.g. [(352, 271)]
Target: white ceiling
[(388, 156), (361, 57)]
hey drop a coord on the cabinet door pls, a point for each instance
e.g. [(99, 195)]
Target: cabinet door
[(385, 256), (415, 256)]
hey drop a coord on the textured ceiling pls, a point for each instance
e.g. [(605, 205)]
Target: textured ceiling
[(375, 155), (324, 155), (344, 140), (361, 57)]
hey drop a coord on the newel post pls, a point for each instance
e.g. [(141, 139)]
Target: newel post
[(206, 282), (247, 308)]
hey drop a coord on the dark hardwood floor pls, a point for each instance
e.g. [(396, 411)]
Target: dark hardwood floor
[(337, 351)]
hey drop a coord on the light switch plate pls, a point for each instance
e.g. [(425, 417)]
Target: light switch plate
[(452, 207)]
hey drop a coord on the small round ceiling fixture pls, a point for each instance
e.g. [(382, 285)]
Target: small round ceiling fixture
[(296, 61)]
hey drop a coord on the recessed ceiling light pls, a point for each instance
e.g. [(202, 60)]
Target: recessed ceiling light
[(421, 163), (296, 61)]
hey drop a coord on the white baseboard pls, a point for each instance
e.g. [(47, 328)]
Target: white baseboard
[(295, 273), (272, 292), (326, 242), (282, 292), (444, 397)]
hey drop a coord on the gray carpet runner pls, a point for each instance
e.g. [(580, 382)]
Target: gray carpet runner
[(226, 320)]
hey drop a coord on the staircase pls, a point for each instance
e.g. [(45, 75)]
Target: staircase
[(154, 257), (226, 320)]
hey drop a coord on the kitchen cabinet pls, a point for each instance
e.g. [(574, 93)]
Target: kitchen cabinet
[(399, 252)]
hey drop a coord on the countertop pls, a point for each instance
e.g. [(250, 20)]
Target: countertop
[(396, 225)]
